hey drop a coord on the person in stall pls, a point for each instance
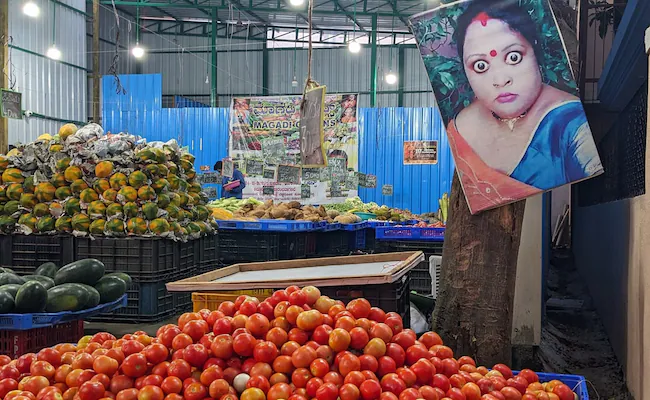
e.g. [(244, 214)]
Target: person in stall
[(226, 190)]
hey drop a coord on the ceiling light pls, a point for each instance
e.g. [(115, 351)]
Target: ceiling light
[(391, 78), (31, 9), (354, 46), (297, 3), (54, 53), (137, 51), (294, 82)]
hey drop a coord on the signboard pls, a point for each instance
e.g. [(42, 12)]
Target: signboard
[(210, 191), (254, 167), (305, 191), (12, 104), (312, 110), (466, 46), (268, 190), (361, 178), (209, 177), (338, 170), (228, 168), (268, 129), (288, 174), (420, 152), (387, 190), (352, 181), (371, 181)]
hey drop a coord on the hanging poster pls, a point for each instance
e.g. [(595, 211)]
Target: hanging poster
[(312, 114), (420, 152), (506, 91), (268, 129), (228, 168)]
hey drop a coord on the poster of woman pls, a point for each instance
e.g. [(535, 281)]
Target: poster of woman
[(505, 89)]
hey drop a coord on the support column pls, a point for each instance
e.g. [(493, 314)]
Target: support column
[(4, 55), (400, 74), (265, 70), (214, 99), (96, 76), (373, 62)]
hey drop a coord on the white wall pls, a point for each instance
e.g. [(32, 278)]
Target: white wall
[(50, 88)]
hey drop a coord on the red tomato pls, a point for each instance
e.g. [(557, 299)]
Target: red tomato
[(456, 394), (339, 340), (152, 393), (248, 307), (349, 392), (7, 385), (181, 341), (300, 377), (298, 298), (4, 359), (48, 354), (135, 365), (358, 338), (10, 371), (196, 329), (397, 353), (410, 394), (310, 320), (376, 314), (442, 351), (279, 391), (518, 382), (442, 382), (424, 371), (210, 375), (277, 336), (218, 388), (283, 364), (510, 393), (24, 362), (312, 386), (528, 375), (298, 335), (407, 376), (179, 368), (376, 347), (156, 353), (449, 367), (563, 392), (319, 367), (222, 326), (172, 384), (195, 354), (395, 322), (368, 363), (42, 368), (381, 331), (416, 352), (386, 366), (243, 344), (153, 380), (131, 347), (333, 377), (430, 339), (82, 361), (393, 383), (327, 391), (370, 390), (91, 391), (167, 335), (303, 357), (187, 317), (345, 322), (428, 393), (360, 308), (349, 363), (258, 325), (106, 365), (471, 391), (265, 351)]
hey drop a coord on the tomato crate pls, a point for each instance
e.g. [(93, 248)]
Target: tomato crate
[(248, 246), (146, 302), (293, 246), (388, 296), (15, 343), (144, 259), (577, 383), (25, 253), (211, 300)]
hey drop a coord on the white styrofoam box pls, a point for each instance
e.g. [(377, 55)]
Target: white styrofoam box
[(434, 270)]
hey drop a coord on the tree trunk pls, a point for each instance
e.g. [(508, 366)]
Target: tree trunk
[(473, 313)]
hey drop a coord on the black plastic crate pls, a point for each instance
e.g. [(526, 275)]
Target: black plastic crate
[(188, 256), (146, 302), (144, 259), (209, 253), (293, 245), (332, 244), (357, 240), (387, 246), (248, 246), (421, 278), (388, 296), (183, 300), (310, 243), (371, 240), (25, 253)]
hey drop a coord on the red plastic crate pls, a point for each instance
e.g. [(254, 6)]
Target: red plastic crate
[(16, 343)]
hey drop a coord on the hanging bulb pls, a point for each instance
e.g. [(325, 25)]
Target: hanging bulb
[(294, 82), (354, 46), (31, 9), (137, 51), (53, 53), (207, 81), (297, 3), (390, 78)]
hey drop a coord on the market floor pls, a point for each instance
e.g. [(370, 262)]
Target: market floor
[(573, 337)]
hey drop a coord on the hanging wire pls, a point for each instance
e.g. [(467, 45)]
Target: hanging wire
[(53, 23), (112, 70), (309, 83)]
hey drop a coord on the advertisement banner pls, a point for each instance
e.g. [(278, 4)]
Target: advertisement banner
[(506, 92), (419, 152), (265, 143)]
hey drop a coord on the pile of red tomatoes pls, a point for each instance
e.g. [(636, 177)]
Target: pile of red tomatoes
[(295, 345)]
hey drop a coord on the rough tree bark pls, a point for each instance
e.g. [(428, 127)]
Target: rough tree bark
[(473, 313)]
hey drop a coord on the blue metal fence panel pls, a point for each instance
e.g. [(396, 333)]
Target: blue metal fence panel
[(184, 102), (382, 133)]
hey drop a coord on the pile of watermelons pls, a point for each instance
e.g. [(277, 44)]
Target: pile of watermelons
[(74, 287)]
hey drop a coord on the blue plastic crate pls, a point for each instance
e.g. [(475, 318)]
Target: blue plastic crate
[(375, 224), (268, 225), (410, 233), (358, 240), (23, 322), (330, 227), (354, 227), (577, 383)]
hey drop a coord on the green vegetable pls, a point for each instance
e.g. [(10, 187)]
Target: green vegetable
[(6, 303), (44, 280), (123, 276), (93, 296), (87, 271), (48, 269), (10, 288), (8, 277), (31, 298), (67, 297)]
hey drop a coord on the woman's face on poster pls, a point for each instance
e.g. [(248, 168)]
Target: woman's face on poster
[(501, 67)]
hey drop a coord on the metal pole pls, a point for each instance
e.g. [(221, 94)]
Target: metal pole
[(583, 22), (96, 76), (214, 99), (401, 78), (265, 70), (4, 56), (373, 62)]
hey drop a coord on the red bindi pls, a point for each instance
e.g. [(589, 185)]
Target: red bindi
[(493, 53), (482, 17)]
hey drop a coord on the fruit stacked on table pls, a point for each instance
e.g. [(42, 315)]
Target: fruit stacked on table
[(295, 345), (82, 181)]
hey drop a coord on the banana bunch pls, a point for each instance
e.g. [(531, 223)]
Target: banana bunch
[(444, 206)]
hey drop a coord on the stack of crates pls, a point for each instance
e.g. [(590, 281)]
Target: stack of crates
[(15, 343), (25, 253)]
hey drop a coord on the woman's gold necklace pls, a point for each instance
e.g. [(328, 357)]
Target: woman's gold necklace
[(510, 121)]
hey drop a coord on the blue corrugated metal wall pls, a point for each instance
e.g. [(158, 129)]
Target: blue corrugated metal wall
[(184, 102), (382, 134)]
